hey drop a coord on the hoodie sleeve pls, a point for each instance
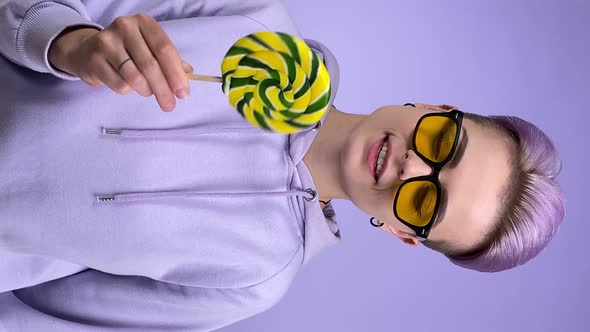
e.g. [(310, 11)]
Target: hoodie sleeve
[(27, 27), (93, 301)]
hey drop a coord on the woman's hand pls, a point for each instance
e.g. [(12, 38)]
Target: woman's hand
[(95, 56)]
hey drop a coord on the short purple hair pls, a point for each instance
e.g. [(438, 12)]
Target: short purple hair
[(533, 205)]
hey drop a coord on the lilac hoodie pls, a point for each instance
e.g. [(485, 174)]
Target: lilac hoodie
[(116, 216)]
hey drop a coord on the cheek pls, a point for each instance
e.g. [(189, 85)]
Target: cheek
[(354, 182), (400, 126), (357, 185), (397, 225), (400, 144)]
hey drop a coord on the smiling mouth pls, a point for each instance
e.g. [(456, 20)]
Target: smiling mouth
[(378, 158)]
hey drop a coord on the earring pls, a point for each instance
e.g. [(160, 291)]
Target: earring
[(376, 225)]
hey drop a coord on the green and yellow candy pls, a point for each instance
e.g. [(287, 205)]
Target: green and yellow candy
[(276, 82)]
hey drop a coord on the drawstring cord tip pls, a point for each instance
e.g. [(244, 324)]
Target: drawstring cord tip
[(105, 198), (107, 131)]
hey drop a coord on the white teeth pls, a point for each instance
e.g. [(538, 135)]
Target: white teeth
[(381, 159), (382, 154)]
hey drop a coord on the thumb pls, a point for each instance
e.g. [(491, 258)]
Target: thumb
[(187, 67)]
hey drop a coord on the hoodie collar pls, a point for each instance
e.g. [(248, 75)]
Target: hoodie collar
[(321, 229)]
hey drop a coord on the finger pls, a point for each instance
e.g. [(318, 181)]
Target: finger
[(112, 48), (150, 68), (135, 79), (164, 51), (116, 54), (111, 78), (92, 82)]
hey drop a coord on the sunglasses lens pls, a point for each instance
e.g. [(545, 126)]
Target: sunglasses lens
[(435, 137), (416, 202)]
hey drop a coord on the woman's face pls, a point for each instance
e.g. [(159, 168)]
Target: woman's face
[(472, 182)]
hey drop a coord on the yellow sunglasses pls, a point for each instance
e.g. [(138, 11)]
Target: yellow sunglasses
[(435, 140)]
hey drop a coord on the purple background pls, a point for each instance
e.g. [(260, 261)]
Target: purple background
[(527, 58)]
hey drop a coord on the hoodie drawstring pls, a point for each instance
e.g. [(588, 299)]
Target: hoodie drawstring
[(188, 132)]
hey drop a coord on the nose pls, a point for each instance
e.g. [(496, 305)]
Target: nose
[(413, 166)]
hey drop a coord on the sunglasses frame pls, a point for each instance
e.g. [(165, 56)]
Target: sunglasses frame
[(423, 231)]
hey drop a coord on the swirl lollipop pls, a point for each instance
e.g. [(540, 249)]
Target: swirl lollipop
[(275, 81)]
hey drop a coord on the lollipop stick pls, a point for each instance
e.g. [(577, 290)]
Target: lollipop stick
[(207, 78)]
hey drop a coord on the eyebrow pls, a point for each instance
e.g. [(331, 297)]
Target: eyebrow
[(460, 150), (454, 162)]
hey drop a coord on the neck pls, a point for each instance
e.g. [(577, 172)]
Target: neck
[(323, 159)]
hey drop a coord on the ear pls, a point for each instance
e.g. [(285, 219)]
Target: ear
[(404, 237), (441, 108)]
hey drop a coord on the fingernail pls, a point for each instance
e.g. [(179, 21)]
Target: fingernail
[(182, 93)]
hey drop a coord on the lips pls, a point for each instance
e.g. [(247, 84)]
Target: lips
[(372, 158)]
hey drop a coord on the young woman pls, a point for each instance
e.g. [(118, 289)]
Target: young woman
[(117, 216)]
